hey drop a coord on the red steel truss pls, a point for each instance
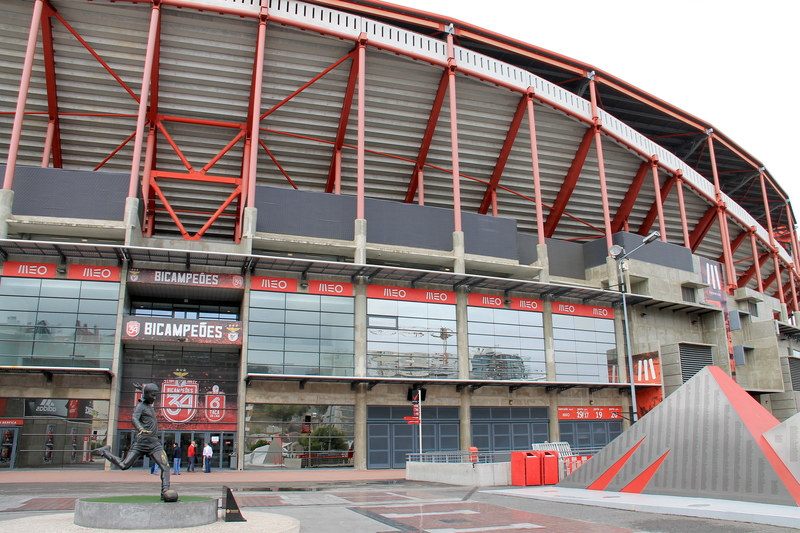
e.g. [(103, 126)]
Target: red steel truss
[(152, 130)]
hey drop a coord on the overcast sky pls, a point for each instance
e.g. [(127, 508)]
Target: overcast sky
[(732, 63)]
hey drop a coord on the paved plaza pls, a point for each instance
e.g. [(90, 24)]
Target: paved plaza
[(378, 501)]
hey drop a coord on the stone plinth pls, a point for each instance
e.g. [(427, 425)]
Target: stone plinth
[(122, 513)]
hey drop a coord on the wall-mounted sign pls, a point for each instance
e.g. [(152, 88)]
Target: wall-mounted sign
[(485, 300), (590, 412), (140, 328), (582, 310), (333, 288), (187, 279), (411, 295), (266, 283), (93, 272), (11, 422), (29, 270), (526, 304)]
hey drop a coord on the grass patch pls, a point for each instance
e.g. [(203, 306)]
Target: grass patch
[(143, 499)]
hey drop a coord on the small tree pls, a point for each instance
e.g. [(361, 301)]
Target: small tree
[(324, 438), (259, 443)]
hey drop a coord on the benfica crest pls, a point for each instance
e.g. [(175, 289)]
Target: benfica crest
[(132, 328), (215, 404), (179, 399)]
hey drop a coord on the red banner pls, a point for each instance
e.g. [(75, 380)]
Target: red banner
[(589, 413), (485, 300), (93, 272), (29, 270), (11, 421), (525, 304), (329, 287), (140, 328), (582, 310), (186, 279), (263, 283), (411, 295)]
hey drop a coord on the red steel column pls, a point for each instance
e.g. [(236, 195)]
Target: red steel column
[(256, 109), (362, 80), (601, 164), (771, 235), (723, 219), (756, 260), (48, 143), (537, 186), (659, 205), (24, 83), (152, 39), (451, 72), (682, 209)]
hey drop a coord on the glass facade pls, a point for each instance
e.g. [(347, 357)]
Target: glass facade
[(411, 339), (310, 435), (57, 322), (54, 432), (506, 344), (585, 349), (304, 334)]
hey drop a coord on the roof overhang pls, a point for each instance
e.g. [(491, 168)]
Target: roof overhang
[(49, 371)]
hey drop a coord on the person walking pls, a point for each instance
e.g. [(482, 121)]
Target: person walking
[(191, 453), (208, 453), (177, 455)]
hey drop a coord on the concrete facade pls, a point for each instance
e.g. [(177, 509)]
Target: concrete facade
[(513, 317)]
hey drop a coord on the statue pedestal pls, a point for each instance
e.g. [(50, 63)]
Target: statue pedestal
[(136, 512)]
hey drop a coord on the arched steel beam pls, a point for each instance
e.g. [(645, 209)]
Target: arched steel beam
[(505, 151), (629, 201), (568, 186), (422, 156)]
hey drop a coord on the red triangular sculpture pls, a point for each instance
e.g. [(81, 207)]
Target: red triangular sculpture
[(704, 440)]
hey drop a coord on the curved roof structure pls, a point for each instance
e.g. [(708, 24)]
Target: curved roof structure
[(370, 99)]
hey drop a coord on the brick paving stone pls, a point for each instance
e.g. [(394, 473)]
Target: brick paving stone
[(46, 504), (479, 517)]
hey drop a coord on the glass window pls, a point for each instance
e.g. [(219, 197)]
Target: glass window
[(300, 333), (60, 288), (20, 287), (98, 290)]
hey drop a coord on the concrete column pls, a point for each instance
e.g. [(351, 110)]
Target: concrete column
[(249, 218), (543, 261), (360, 327), (6, 203), (360, 445), (115, 394), (462, 337), (552, 415), (360, 368), (459, 264), (465, 405), (549, 345), (465, 419), (133, 222), (241, 403), (360, 235)]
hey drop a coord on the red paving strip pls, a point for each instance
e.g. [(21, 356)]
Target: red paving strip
[(46, 504), (467, 516)]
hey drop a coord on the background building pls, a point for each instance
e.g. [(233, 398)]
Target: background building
[(317, 207)]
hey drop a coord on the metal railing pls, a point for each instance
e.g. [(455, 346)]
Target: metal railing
[(459, 457)]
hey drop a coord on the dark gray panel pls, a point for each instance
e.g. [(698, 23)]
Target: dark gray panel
[(489, 236), (401, 224), (702, 433), (310, 214), (657, 252), (566, 258), (526, 248), (55, 192)]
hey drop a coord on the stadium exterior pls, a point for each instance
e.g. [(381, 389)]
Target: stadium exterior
[(320, 206)]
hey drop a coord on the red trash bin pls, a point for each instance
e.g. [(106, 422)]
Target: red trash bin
[(518, 468), (533, 468), (549, 467)]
